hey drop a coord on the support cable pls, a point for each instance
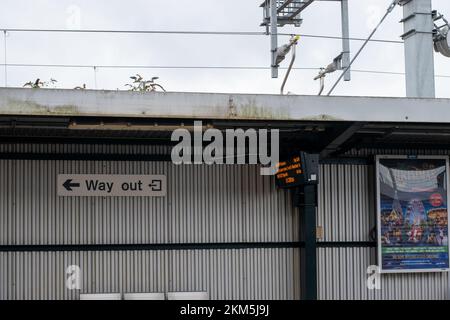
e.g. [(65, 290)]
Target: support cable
[(388, 11), (187, 32)]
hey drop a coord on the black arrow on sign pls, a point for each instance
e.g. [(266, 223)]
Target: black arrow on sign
[(69, 185)]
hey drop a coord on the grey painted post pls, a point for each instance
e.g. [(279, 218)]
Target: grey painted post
[(345, 39), (419, 55), (274, 36)]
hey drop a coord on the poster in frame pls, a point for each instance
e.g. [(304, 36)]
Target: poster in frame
[(412, 213)]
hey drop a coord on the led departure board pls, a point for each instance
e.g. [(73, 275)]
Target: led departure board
[(297, 170)]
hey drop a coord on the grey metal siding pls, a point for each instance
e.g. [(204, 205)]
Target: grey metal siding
[(346, 202), (342, 275), (346, 211), (366, 152), (204, 204), (225, 274), (129, 149)]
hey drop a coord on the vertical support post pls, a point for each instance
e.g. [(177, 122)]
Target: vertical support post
[(274, 36), (5, 34), (345, 39), (95, 77), (419, 56), (308, 256), (448, 286)]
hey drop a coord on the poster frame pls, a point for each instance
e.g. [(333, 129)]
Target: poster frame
[(378, 222)]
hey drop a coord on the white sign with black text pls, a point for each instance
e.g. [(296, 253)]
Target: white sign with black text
[(100, 185)]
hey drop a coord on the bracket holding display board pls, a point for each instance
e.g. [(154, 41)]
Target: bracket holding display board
[(298, 170), (412, 213)]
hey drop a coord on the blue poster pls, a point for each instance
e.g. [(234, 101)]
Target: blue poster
[(413, 218)]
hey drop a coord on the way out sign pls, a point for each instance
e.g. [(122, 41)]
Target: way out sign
[(81, 185)]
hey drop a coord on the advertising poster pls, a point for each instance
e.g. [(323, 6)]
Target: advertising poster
[(412, 214)]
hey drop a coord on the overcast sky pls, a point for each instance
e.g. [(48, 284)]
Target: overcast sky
[(199, 50)]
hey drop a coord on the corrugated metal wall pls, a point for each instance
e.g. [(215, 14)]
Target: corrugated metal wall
[(342, 275), (84, 148), (204, 204), (347, 213), (363, 152), (346, 204), (225, 274), (241, 206)]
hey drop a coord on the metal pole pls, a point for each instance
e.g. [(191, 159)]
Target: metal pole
[(345, 39), (274, 36), (6, 67), (322, 85), (289, 69), (419, 56), (95, 77), (308, 272)]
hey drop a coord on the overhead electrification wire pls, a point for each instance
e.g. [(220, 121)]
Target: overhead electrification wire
[(192, 32), (342, 38), (96, 67), (388, 11), (144, 66)]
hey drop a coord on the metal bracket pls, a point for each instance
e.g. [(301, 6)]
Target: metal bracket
[(278, 13)]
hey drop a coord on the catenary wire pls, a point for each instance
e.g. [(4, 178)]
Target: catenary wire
[(191, 67), (192, 32)]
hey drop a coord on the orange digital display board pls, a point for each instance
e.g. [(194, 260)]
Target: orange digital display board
[(290, 173), (297, 170)]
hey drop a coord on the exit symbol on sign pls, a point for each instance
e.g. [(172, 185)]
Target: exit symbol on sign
[(156, 185)]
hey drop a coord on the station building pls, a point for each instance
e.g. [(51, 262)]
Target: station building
[(222, 230)]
